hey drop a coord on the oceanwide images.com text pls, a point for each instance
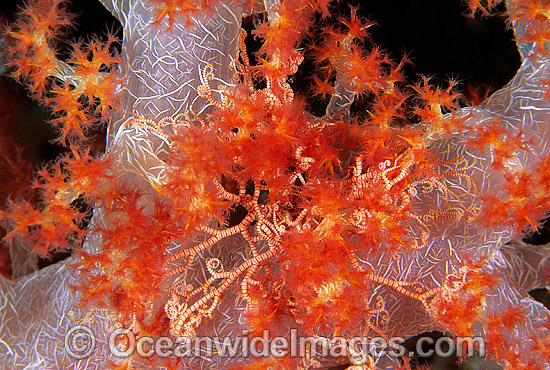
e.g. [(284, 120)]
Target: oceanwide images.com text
[(80, 343)]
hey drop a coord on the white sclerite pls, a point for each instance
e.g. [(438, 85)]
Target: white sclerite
[(33, 309)]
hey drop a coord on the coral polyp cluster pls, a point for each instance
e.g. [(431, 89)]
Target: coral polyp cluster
[(223, 208)]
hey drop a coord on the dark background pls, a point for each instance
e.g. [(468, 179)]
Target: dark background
[(441, 41), (439, 38)]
